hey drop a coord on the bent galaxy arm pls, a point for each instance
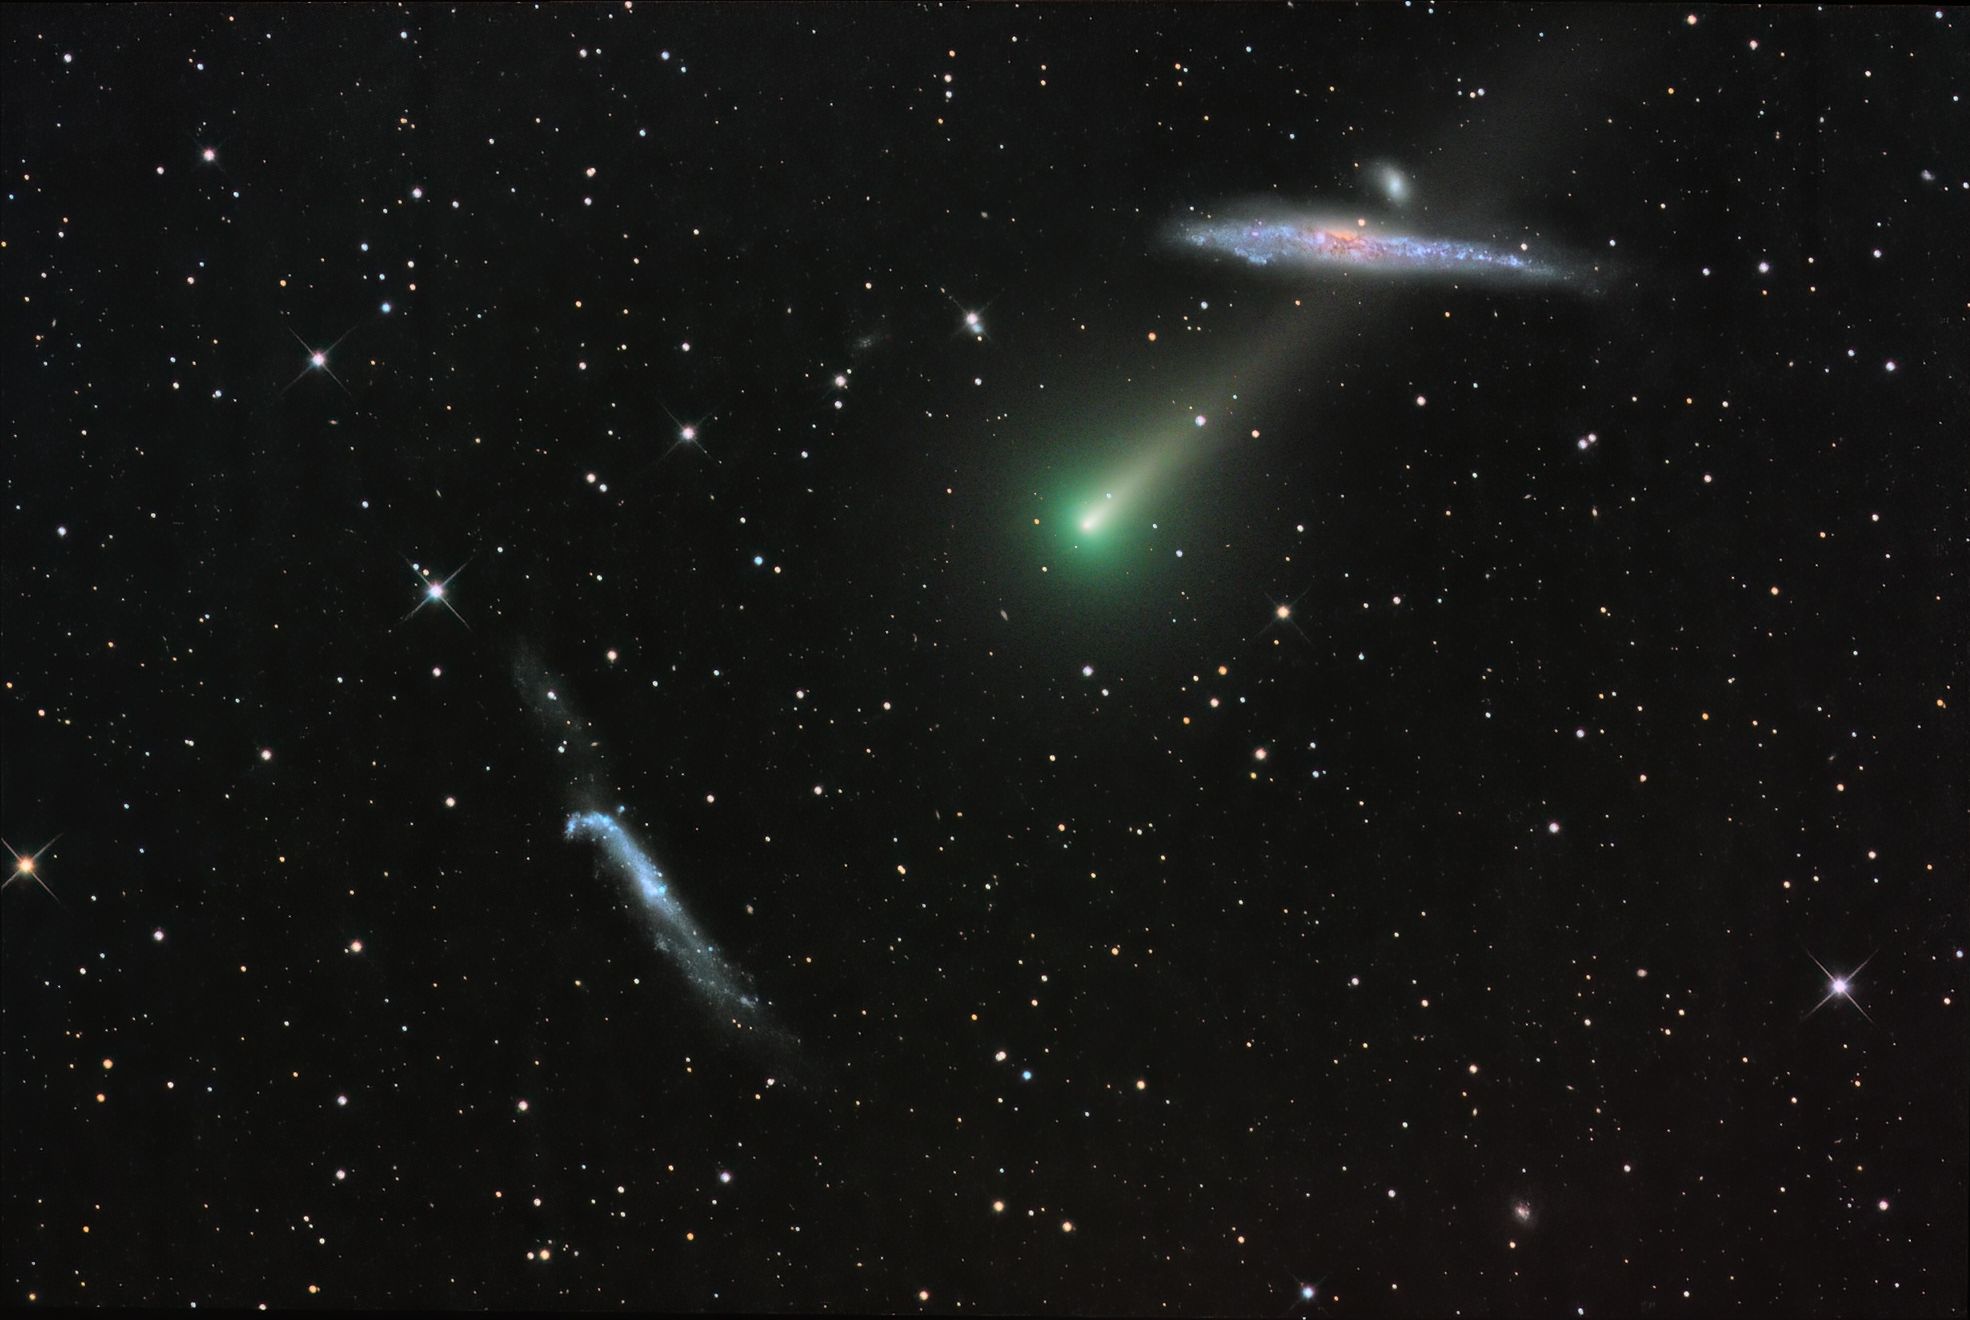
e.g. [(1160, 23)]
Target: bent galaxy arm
[(675, 933)]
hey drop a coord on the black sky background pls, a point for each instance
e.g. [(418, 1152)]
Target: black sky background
[(1302, 969)]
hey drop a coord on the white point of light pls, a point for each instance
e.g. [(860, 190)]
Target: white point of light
[(1841, 987)]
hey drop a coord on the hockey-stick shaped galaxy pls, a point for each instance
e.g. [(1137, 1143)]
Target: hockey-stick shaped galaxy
[(579, 748), (670, 925)]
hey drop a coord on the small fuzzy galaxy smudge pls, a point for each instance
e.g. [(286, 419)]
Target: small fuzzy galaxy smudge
[(1317, 244)]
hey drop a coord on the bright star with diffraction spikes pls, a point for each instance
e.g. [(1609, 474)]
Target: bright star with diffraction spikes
[(27, 866), (1841, 987)]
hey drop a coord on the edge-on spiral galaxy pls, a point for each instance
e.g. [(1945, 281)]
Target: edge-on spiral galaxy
[(1315, 243)]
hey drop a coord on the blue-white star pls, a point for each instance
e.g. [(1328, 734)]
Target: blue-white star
[(318, 361), (435, 590), (1841, 987)]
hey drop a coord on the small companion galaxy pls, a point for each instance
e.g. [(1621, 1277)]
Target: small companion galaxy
[(1085, 660)]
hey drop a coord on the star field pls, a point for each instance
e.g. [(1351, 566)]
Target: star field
[(672, 657)]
